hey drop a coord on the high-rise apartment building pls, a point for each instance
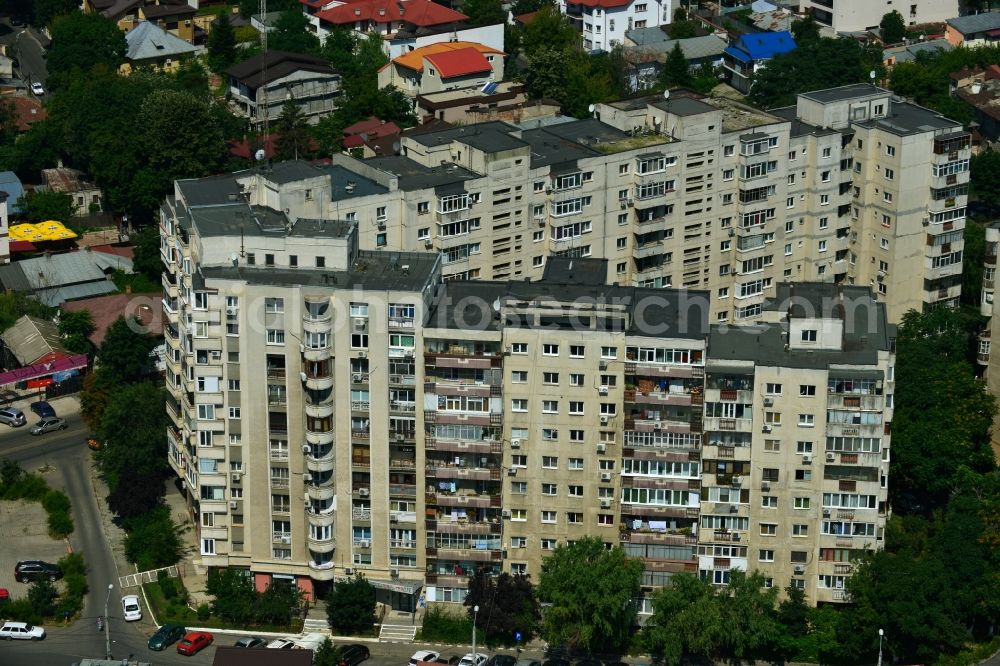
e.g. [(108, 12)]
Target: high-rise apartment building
[(850, 186), (336, 409)]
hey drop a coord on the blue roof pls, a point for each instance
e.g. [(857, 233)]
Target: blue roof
[(736, 53), (764, 45), (11, 184)]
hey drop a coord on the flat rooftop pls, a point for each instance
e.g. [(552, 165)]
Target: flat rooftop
[(800, 128), (905, 118), (850, 91), (490, 137), (415, 176), (347, 184), (373, 270)]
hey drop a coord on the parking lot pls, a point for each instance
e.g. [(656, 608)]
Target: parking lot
[(24, 535)]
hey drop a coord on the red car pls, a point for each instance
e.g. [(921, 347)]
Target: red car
[(194, 642)]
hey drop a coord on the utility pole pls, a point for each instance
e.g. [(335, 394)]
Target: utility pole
[(107, 624)]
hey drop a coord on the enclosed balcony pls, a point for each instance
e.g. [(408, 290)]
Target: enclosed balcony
[(319, 374)]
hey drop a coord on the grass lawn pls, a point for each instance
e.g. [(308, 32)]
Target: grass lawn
[(173, 612)]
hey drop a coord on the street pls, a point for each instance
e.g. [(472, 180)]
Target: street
[(25, 44)]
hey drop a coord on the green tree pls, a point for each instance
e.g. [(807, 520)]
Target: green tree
[(892, 28), (520, 7), (683, 29), (484, 12), (124, 354), (46, 10), (75, 329), (293, 138), (592, 593), (686, 620), (132, 428), (676, 70), (350, 608), (943, 414), (233, 594), (136, 494), (820, 63), (147, 259), (805, 30), (42, 596), (42, 205), (276, 604), (984, 178), (221, 45), (973, 256), (507, 605), (339, 48), (252, 7), (550, 30), (793, 615), (153, 540), (546, 73), (81, 42), (291, 33), (328, 654)]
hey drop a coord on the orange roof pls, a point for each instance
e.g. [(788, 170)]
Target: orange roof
[(415, 59)]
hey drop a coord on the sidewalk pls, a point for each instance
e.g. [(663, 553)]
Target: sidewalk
[(192, 573)]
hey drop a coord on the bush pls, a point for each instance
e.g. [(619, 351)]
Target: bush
[(204, 610), (60, 524), (73, 564), (30, 487), (55, 501), (446, 627), (42, 596), (21, 610), (153, 540), (167, 585)]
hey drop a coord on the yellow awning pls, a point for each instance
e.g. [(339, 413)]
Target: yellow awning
[(50, 230)]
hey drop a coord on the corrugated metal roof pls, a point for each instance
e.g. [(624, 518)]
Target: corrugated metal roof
[(31, 338), (58, 270), (58, 295), (975, 22)]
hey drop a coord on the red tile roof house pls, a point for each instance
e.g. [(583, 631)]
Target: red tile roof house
[(372, 137), (444, 66), (386, 17)]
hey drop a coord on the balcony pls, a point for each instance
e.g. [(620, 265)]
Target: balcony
[(728, 425), (321, 493), (658, 398), (402, 406), (854, 430), (319, 410), (281, 537), (360, 405), (476, 501), (402, 380), (317, 353), (321, 545), (278, 454), (871, 403), (463, 446), (402, 490), (361, 514), (319, 437), (401, 323), (461, 356), (320, 461), (440, 470), (318, 381)]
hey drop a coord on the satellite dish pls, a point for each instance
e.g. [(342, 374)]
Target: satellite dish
[(395, 147), (871, 75), (496, 305), (260, 155), (666, 94), (591, 108), (233, 258)]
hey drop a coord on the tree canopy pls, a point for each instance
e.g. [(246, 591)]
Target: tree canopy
[(46, 10), (676, 70), (350, 608), (892, 28), (592, 592), (507, 606), (81, 42), (820, 63), (484, 12), (293, 138), (221, 45), (42, 205), (291, 33)]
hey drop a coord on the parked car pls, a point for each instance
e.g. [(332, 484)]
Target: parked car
[(194, 642), (28, 570), (37, 89), (166, 636), (4, 594), (13, 417), (477, 659), (21, 631), (43, 409), (281, 644), (424, 655), (250, 643), (501, 660), (131, 608), (352, 655), (48, 425), (94, 444)]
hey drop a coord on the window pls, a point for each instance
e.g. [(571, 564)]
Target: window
[(772, 389), (803, 475), (550, 433), (519, 515), (609, 352), (801, 502), (772, 418), (549, 349), (770, 474), (827, 152), (576, 435), (807, 420), (550, 406), (549, 488), (808, 335), (234, 412), (807, 389), (519, 405), (275, 336), (824, 200), (547, 544), (519, 348), (768, 529), (575, 491), (274, 305), (519, 487), (822, 246), (884, 243), (769, 501), (519, 460), (772, 445), (766, 556), (550, 377), (576, 463), (518, 376), (550, 462), (576, 407), (890, 150), (889, 174), (548, 516), (800, 530), (803, 447), (575, 379)]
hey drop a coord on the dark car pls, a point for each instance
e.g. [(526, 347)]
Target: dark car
[(166, 636), (17, 21), (501, 660), (352, 655), (29, 570), (250, 643), (43, 409)]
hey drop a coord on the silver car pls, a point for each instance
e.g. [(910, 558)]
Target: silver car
[(13, 417), (48, 425)]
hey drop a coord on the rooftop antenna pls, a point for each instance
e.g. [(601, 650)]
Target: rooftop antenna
[(592, 108), (871, 75)]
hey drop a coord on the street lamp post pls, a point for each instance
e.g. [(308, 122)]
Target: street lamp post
[(475, 617), (881, 633), (107, 624)]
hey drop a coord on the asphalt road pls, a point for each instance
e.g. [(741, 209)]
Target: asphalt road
[(27, 45)]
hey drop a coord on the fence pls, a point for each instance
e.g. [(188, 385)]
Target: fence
[(137, 579)]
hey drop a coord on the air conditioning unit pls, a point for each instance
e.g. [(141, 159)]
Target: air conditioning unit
[(286, 539), (602, 390), (765, 486), (768, 402), (737, 480), (394, 573), (515, 443), (232, 504), (657, 426), (349, 571), (807, 459), (799, 569), (766, 428), (606, 477), (736, 537), (356, 377), (602, 448), (307, 477), (364, 492), (826, 513), (505, 514), (236, 477), (732, 232), (363, 354), (734, 509), (306, 449), (428, 244), (381, 226), (631, 201), (605, 503), (307, 503), (360, 322), (512, 471), (603, 365), (393, 518), (830, 456), (604, 420), (364, 543), (408, 353)]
